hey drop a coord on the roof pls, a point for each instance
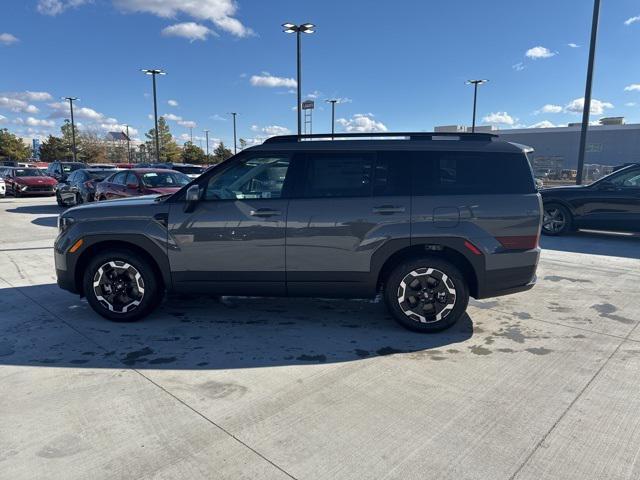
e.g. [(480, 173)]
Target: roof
[(435, 141), (116, 136)]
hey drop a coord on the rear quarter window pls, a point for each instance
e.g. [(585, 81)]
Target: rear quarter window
[(471, 173)]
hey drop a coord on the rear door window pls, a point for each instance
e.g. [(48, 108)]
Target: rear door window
[(119, 179), (338, 174), (471, 173)]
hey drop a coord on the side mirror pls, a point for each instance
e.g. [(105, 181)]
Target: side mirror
[(192, 197)]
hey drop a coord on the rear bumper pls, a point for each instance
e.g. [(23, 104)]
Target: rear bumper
[(507, 281)]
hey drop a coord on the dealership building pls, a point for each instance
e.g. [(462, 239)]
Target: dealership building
[(609, 144)]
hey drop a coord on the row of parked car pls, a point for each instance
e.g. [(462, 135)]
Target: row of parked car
[(74, 183)]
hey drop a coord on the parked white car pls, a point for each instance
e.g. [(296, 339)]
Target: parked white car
[(3, 188)]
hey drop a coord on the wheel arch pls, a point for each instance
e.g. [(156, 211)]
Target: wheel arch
[(143, 247), (449, 251)]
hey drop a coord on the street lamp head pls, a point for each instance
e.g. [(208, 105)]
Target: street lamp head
[(476, 82), (153, 71), (71, 99), (289, 28), (307, 28), (332, 100)]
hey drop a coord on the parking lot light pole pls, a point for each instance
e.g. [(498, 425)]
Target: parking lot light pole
[(153, 72), (128, 145), (206, 132), (298, 29), (235, 143), (475, 84), (333, 102), (73, 126), (586, 109)]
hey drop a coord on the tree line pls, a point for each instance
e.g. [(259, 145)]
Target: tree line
[(92, 148)]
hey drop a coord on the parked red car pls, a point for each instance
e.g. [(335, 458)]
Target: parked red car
[(27, 181), (140, 181)]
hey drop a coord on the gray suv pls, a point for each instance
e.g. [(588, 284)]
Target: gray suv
[(428, 219)]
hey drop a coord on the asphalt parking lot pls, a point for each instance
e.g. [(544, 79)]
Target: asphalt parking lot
[(539, 385)]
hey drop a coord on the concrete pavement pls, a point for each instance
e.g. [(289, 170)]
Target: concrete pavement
[(543, 384)]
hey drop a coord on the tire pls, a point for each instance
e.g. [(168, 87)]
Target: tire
[(59, 201), (140, 295), (440, 281), (16, 192), (557, 220)]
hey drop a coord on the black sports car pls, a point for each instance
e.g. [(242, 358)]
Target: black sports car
[(611, 203)]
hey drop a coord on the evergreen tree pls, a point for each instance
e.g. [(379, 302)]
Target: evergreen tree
[(169, 150), (221, 153), (13, 147), (54, 148), (192, 154)]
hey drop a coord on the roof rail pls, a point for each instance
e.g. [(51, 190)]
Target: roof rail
[(420, 136)]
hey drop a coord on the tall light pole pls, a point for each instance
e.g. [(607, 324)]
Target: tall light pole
[(235, 143), (153, 72), (333, 102), (128, 145), (298, 29), (206, 132), (587, 91), (73, 126), (191, 134), (475, 84)]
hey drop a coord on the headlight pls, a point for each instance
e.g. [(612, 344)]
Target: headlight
[(23, 187), (65, 222)]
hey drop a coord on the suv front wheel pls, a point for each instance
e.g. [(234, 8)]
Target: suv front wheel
[(121, 286), (426, 294)]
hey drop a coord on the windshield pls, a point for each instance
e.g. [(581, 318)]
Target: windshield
[(189, 170), (72, 167), (28, 172), (99, 175), (164, 179)]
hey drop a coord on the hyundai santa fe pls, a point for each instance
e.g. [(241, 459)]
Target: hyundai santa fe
[(425, 219)]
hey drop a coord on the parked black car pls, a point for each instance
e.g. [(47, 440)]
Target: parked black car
[(80, 186), (60, 170), (611, 203)]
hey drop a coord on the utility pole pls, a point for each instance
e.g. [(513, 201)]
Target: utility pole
[(333, 116), (128, 145), (587, 91), (153, 72), (73, 127), (206, 132), (475, 84), (298, 29), (235, 143)]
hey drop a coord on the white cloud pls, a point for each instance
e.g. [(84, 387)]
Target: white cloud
[(597, 107), (539, 52), (172, 103), (8, 39), (630, 104), (549, 108), (314, 95), (499, 118), (218, 118), (271, 130), (172, 117), (632, 20), (38, 122), (220, 12), (573, 45), (191, 30), (17, 105), (634, 87), (543, 124), (3, 119), (362, 123), (29, 96), (56, 7), (518, 67), (119, 127), (61, 110), (270, 81), (180, 121)]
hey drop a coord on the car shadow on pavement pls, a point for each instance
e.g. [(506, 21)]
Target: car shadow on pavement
[(43, 326), (53, 209), (595, 243)]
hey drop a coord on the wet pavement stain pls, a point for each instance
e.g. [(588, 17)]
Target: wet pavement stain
[(136, 356), (216, 390), (523, 315), (539, 350), (606, 310), (557, 278), (512, 333), (506, 350), (480, 350), (312, 358)]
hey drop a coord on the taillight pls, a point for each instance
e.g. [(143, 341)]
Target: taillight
[(472, 248), (519, 242)]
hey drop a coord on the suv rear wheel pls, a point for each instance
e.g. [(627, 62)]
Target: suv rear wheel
[(121, 286), (426, 294)]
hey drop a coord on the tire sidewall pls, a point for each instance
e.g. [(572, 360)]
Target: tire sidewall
[(151, 285), (402, 270)]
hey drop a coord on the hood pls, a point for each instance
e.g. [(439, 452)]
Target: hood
[(566, 188), (119, 209), (34, 181)]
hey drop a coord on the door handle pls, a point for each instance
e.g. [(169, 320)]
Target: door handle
[(264, 212), (388, 209)]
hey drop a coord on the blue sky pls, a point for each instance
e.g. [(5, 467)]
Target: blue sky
[(398, 66)]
